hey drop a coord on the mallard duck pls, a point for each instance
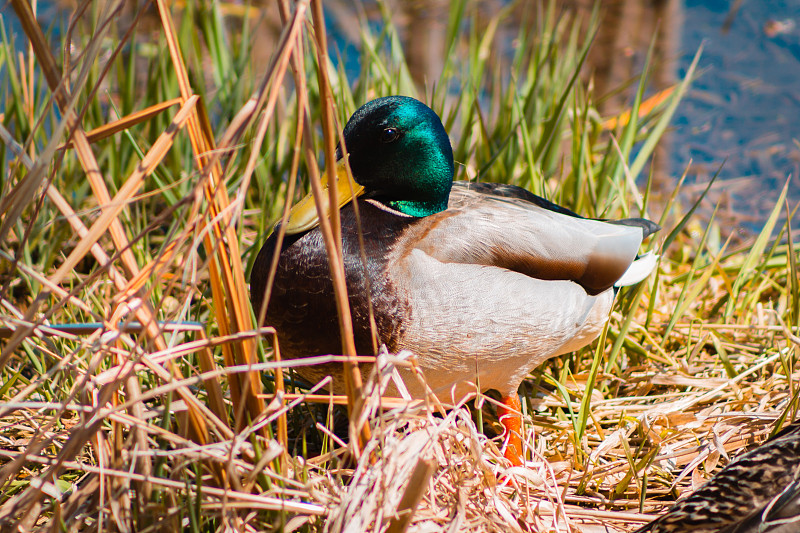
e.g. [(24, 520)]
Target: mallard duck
[(758, 492), (481, 281)]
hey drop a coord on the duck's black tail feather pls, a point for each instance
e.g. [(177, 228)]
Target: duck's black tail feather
[(648, 226)]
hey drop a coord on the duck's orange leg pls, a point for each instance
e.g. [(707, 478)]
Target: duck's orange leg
[(509, 416)]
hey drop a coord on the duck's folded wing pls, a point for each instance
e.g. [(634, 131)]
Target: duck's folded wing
[(524, 237)]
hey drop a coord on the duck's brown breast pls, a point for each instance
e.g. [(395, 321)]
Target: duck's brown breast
[(302, 305)]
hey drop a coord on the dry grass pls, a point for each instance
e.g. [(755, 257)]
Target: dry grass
[(137, 394)]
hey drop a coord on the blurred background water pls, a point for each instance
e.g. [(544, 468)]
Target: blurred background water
[(743, 109)]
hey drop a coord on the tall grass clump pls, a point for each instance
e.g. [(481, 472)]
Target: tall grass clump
[(145, 156)]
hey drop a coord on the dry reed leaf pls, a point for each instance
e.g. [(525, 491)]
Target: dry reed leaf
[(229, 288), (131, 185), (125, 122), (644, 108), (48, 65), (467, 469)]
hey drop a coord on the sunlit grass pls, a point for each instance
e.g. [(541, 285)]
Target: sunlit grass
[(160, 222)]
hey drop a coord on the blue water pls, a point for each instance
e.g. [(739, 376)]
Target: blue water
[(745, 106)]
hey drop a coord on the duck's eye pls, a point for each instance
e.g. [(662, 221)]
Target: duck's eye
[(389, 134)]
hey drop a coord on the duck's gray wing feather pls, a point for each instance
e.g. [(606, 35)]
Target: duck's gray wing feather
[(505, 190), (511, 232)]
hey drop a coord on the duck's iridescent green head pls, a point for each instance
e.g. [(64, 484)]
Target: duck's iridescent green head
[(400, 152)]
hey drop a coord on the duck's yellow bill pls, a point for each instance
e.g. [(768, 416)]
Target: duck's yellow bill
[(304, 216)]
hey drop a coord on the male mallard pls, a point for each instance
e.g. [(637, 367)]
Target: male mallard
[(758, 492), (481, 281)]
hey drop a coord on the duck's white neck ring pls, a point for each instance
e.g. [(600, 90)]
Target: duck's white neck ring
[(386, 208)]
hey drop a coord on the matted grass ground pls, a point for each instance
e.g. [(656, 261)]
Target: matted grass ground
[(142, 166)]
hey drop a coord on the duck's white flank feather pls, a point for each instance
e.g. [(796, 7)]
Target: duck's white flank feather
[(481, 324)]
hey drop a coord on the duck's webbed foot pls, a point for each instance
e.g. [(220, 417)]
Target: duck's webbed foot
[(510, 417)]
